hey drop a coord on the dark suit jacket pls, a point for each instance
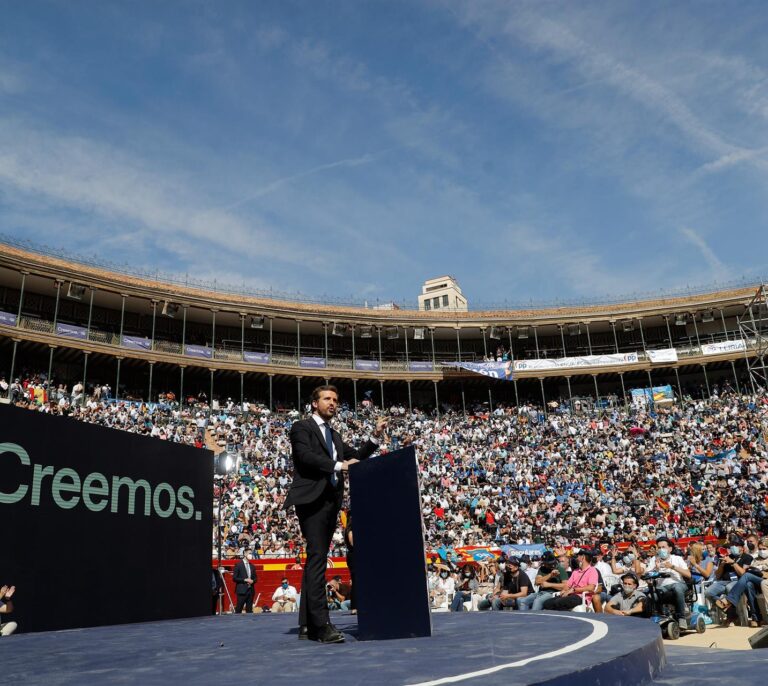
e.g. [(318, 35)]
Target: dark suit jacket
[(312, 464), (239, 576)]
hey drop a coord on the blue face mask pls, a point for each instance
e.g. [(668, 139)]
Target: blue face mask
[(735, 550), (285, 585), (663, 553)]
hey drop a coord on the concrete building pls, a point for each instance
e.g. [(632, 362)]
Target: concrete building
[(442, 293)]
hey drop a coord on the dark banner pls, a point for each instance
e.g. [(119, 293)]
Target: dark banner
[(198, 351), (367, 365), (137, 343), (7, 318), (312, 362), (100, 526), (256, 358), (72, 331)]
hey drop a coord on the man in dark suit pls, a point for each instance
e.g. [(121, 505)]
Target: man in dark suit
[(244, 578), (319, 459)]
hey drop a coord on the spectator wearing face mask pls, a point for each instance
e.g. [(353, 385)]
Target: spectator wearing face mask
[(629, 602), (468, 585), (749, 583), (514, 586), (443, 589), (551, 578), (734, 562), (761, 563), (580, 587), (672, 589), (284, 597)]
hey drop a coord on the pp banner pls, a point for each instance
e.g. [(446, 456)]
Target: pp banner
[(575, 362), (101, 526), (664, 355), (723, 347), (496, 370)]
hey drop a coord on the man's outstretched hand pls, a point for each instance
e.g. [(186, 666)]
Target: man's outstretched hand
[(347, 463), (381, 424)]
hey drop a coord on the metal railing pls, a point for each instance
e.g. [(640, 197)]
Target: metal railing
[(291, 361), (350, 301)]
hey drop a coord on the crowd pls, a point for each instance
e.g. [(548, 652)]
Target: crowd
[(513, 475), (632, 580)]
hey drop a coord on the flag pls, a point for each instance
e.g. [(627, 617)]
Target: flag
[(663, 504)]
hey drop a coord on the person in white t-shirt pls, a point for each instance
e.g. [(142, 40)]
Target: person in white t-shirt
[(672, 588), (284, 597)]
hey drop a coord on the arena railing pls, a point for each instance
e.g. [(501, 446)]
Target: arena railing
[(287, 360)]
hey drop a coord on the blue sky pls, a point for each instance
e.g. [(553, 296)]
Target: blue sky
[(351, 149)]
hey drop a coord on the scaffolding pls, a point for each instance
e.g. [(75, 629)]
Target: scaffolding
[(753, 326)]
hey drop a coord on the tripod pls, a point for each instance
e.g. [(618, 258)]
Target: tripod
[(221, 594)]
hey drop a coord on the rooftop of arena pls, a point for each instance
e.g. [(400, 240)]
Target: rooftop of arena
[(58, 262)]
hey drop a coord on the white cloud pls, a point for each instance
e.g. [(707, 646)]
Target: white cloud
[(274, 185), (719, 269), (94, 178)]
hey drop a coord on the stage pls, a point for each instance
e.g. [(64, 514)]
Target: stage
[(507, 648)]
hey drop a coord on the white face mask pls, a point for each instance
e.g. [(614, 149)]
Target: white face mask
[(523, 566), (663, 553), (763, 553), (628, 590)]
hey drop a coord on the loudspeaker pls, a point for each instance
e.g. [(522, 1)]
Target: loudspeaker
[(760, 639)]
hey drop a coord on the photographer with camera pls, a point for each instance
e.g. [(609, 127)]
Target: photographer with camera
[(338, 594)]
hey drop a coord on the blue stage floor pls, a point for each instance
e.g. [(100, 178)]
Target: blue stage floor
[(468, 648)]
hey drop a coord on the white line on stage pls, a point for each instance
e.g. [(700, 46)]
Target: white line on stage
[(599, 631)]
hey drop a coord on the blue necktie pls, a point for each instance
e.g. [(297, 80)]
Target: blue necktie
[(329, 442)]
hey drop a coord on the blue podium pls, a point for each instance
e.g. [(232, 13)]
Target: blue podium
[(390, 564)]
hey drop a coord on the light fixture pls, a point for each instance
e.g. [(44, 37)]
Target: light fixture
[(574, 329), (224, 463), (496, 332), (522, 332), (257, 322), (366, 332), (708, 316), (627, 326), (391, 332), (680, 320), (169, 309), (338, 329), (418, 333), (76, 291)]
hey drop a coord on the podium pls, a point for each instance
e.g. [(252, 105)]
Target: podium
[(390, 574)]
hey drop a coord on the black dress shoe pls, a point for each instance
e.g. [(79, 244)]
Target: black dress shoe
[(303, 633), (327, 634)]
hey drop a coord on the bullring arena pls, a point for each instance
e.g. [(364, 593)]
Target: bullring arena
[(231, 371)]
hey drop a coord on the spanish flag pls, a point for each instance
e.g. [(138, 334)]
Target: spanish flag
[(663, 504)]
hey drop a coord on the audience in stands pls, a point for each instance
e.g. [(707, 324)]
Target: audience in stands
[(513, 475)]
